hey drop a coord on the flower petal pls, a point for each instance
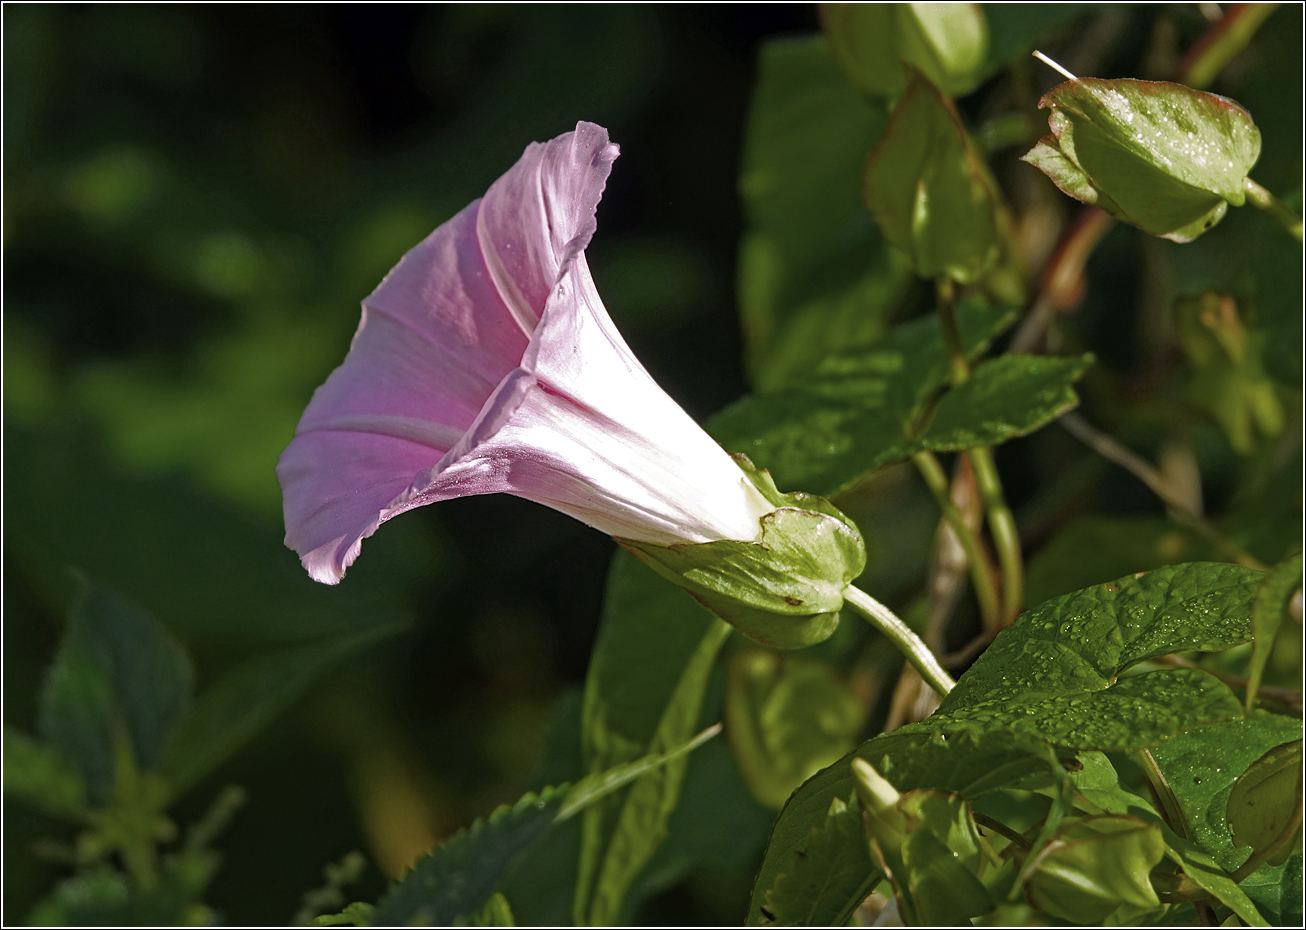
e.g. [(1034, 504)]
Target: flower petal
[(583, 428), (540, 215), (437, 338)]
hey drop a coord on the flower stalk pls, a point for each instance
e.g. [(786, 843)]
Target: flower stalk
[(898, 633)]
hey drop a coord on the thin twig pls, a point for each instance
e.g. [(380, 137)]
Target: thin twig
[(1146, 472)]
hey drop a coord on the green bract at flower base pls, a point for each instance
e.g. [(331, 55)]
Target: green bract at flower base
[(783, 590), (930, 190), (1164, 157)]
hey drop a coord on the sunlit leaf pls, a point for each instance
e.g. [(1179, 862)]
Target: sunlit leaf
[(826, 877), (1165, 157)]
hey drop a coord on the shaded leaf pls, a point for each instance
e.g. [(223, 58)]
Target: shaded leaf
[(952, 755), (1271, 606), (41, 778), (787, 717), (457, 878), (1266, 800), (643, 694), (930, 190), (1202, 767), (119, 682), (1092, 866), (815, 275), (871, 41), (247, 698), (1165, 157)]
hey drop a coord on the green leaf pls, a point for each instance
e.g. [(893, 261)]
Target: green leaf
[(459, 875), (644, 693), (935, 875), (1202, 767), (855, 413), (1203, 869), (1265, 801), (1096, 549), (1005, 397), (930, 190), (1271, 606), (1292, 892), (952, 755), (495, 912), (1097, 784), (872, 41), (1165, 157), (1081, 642), (1093, 865), (787, 717), (247, 698), (826, 877), (598, 784), (119, 681), (815, 275), (38, 776), (786, 588), (1135, 713)]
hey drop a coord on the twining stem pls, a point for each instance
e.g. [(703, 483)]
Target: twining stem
[(1222, 43), (1170, 808), (1276, 208), (907, 642), (980, 575), (1003, 526), (1001, 523), (958, 368)]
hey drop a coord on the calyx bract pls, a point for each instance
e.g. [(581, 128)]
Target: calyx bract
[(782, 589)]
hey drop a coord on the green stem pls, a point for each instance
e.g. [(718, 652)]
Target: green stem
[(980, 576), (1170, 808), (1276, 208), (1222, 43), (1003, 526), (907, 642), (958, 367)]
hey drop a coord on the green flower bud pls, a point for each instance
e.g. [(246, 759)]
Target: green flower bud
[(785, 587)]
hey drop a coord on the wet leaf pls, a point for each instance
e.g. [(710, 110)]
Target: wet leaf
[(826, 877), (1165, 157)]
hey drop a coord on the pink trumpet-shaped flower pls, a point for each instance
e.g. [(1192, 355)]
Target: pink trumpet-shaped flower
[(486, 362)]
